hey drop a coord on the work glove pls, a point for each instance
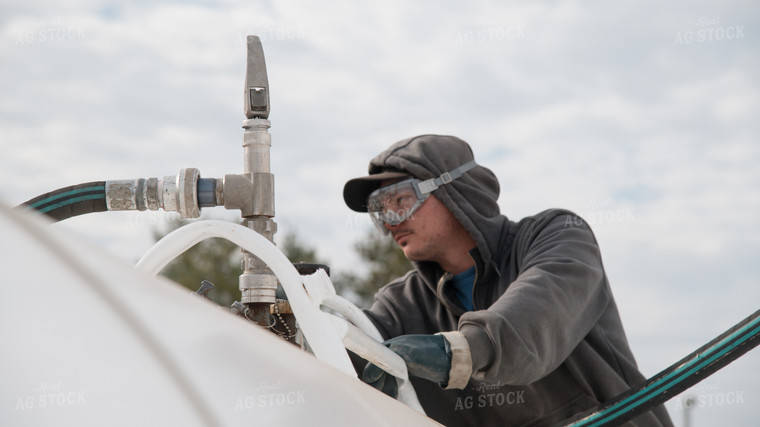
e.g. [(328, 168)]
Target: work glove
[(426, 356)]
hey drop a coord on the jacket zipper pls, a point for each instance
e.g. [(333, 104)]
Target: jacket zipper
[(474, 282)]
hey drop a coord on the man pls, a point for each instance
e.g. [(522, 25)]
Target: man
[(500, 323)]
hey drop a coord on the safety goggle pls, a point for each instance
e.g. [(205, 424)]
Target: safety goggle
[(396, 203)]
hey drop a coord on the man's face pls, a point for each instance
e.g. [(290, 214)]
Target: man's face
[(428, 234)]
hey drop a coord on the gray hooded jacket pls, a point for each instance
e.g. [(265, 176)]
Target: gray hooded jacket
[(545, 336)]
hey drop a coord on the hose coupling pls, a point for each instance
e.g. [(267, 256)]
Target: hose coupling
[(184, 193)]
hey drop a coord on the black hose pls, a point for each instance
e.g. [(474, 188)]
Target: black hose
[(678, 377), (70, 201)]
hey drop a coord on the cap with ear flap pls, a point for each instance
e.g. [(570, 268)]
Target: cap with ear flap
[(357, 191)]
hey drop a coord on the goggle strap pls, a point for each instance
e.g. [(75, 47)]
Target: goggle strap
[(432, 184)]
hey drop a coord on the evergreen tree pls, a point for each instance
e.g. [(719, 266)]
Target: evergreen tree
[(216, 260), (384, 262)]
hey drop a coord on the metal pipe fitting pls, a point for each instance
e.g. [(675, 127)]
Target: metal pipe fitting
[(179, 193), (253, 191)]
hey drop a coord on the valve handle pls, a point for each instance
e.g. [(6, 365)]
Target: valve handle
[(256, 90)]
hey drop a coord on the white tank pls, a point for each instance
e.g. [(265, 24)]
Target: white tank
[(86, 340)]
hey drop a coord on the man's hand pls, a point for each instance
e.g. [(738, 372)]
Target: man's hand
[(426, 356)]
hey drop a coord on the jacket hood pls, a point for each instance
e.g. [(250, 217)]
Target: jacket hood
[(472, 198)]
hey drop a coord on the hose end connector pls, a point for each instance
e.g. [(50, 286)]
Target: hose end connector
[(184, 193), (180, 193)]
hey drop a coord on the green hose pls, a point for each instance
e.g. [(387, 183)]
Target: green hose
[(70, 201), (688, 371)]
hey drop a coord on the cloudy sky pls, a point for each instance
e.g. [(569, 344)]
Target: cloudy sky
[(642, 117)]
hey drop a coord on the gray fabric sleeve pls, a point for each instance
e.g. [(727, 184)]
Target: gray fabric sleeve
[(477, 339), (558, 296)]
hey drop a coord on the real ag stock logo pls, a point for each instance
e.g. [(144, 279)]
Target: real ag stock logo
[(709, 29)]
